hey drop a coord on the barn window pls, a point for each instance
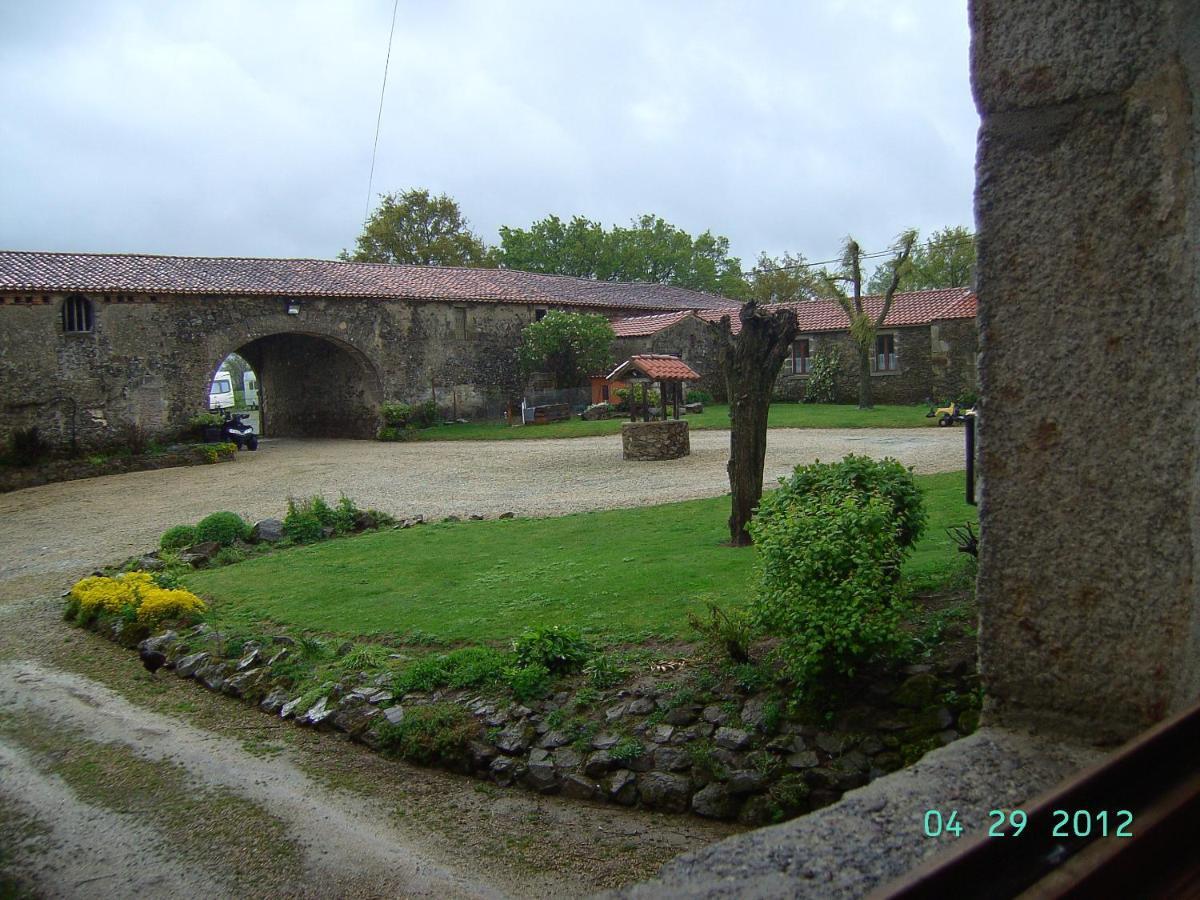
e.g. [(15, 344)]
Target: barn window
[(77, 314), (460, 322)]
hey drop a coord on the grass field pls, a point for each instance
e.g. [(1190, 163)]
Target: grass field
[(782, 415), (620, 575)]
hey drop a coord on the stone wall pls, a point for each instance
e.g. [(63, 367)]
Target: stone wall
[(149, 361), (692, 340), (667, 439), (1088, 223)]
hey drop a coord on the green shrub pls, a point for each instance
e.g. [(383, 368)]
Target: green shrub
[(530, 682), (227, 556), (555, 647), (626, 750), (729, 632), (344, 516), (426, 734), (425, 415), (698, 397), (858, 476), (821, 386), (301, 523), (177, 537), (827, 582), (365, 658), (222, 527), (392, 433), (652, 397), (396, 415), (466, 667), (203, 420), (604, 671)]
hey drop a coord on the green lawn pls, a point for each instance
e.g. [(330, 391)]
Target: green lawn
[(619, 574), (782, 415)]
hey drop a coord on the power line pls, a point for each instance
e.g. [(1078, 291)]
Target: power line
[(959, 241), (379, 117)]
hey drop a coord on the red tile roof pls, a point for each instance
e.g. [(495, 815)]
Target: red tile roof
[(641, 326), (657, 367), (911, 308), (232, 276)]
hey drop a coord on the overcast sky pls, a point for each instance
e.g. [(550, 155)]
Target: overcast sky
[(245, 128)]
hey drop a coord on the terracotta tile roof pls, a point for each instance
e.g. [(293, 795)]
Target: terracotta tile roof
[(911, 308), (657, 367), (640, 326), (233, 276)]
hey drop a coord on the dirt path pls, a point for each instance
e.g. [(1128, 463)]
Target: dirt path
[(70, 527)]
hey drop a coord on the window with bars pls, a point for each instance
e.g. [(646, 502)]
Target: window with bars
[(885, 353), (77, 314), (801, 357)]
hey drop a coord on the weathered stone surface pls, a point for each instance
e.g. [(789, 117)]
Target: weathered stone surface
[(238, 684), (805, 759), (756, 811), (754, 712), (187, 666), (715, 802), (150, 563), (394, 715), (316, 713), (660, 790), (505, 770), (747, 781), (481, 754), (159, 643), (212, 674), (354, 720), (641, 706), (918, 690), (542, 777), (516, 738), (200, 554), (655, 440), (598, 763), (269, 530), (621, 787), (274, 701), (670, 759), (661, 734), (732, 738), (616, 712), (681, 715), (716, 715), (605, 740), (552, 739), (567, 758), (579, 787), (831, 742)]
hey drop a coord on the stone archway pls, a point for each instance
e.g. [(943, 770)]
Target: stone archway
[(311, 385)]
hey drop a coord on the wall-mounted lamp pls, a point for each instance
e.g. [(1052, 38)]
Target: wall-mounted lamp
[(293, 308)]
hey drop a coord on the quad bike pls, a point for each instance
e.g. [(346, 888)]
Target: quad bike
[(950, 415), (235, 430)]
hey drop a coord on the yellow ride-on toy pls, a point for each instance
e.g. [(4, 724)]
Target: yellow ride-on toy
[(950, 415)]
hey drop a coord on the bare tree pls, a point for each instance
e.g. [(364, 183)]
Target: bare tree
[(863, 326), (750, 361)]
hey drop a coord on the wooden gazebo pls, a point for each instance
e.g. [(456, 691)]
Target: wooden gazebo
[(640, 371)]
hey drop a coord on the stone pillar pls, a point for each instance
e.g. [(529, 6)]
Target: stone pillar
[(1087, 216), (666, 439)]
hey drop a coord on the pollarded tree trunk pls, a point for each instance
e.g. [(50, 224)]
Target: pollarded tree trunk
[(864, 378), (750, 361)]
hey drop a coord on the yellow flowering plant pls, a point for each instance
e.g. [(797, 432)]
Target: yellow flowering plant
[(131, 593)]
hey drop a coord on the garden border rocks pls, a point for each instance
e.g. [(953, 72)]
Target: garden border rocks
[(755, 766), (16, 478)]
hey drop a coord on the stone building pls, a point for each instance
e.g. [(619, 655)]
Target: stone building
[(926, 349), (91, 344)]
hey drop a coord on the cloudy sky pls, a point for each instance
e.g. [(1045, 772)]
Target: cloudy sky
[(226, 127)]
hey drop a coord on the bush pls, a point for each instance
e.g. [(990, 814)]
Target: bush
[(858, 476), (177, 537), (301, 523), (425, 415), (203, 420), (530, 682), (652, 397), (698, 397), (556, 648), (26, 447), (222, 527), (467, 667), (227, 556), (134, 438), (426, 734), (397, 415), (827, 581), (306, 520), (133, 596), (821, 386), (393, 433)]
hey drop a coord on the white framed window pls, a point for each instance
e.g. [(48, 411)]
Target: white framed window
[(885, 353)]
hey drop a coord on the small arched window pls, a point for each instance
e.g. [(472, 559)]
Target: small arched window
[(77, 314)]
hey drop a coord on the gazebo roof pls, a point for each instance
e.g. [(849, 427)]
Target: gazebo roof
[(656, 367)]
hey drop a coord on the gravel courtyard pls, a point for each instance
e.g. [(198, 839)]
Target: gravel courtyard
[(51, 534)]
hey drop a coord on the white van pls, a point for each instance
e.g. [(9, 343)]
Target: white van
[(250, 389), (220, 393)]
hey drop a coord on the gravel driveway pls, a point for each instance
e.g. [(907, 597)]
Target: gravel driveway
[(51, 534)]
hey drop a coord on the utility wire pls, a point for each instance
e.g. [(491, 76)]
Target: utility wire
[(957, 242), (379, 118)]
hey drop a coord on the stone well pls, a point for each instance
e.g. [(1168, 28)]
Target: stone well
[(655, 440)]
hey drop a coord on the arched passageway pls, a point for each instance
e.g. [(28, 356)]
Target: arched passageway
[(313, 386)]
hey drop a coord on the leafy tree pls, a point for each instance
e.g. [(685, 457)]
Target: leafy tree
[(568, 346), (863, 326), (650, 249), (946, 260), (782, 280), (750, 360), (417, 228)]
